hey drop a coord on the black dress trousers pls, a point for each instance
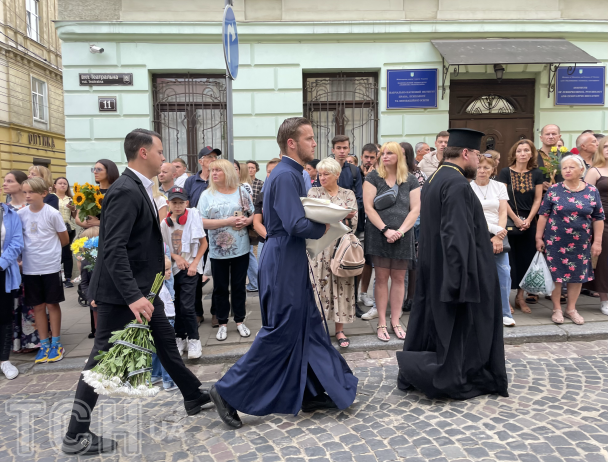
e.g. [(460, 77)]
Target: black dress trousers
[(115, 317)]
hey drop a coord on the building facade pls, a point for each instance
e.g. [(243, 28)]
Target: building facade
[(329, 61), (32, 123)]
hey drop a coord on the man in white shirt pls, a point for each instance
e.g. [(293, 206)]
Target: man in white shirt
[(430, 162), (181, 171), (166, 177)]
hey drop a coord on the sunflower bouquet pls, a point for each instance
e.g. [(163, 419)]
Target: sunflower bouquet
[(87, 199), (125, 370), (552, 162)]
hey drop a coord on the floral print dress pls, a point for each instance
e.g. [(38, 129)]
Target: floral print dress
[(337, 294), (568, 231)]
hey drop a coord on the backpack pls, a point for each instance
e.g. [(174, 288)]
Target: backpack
[(348, 258)]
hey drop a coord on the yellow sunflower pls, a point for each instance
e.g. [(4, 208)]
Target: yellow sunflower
[(76, 188), (98, 200), (97, 189), (79, 198)]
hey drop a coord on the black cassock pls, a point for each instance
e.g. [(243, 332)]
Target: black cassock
[(454, 344)]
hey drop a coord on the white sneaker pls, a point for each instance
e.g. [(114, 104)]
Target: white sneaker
[(222, 333), (366, 299), (195, 350), (604, 308), (181, 345), (507, 321), (10, 371), (371, 314), (76, 280), (242, 328)]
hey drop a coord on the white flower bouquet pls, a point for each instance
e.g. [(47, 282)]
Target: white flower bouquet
[(125, 370)]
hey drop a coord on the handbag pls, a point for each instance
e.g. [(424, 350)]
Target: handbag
[(254, 237), (511, 228), (348, 258), (386, 199), (506, 246)]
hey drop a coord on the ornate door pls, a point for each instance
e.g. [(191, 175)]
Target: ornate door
[(503, 111)]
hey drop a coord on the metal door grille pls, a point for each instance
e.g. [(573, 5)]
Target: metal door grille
[(342, 104), (189, 113)]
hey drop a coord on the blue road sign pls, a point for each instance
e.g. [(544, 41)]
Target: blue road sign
[(585, 87), (231, 42), (411, 88)]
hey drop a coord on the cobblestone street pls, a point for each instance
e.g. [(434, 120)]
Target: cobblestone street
[(557, 410)]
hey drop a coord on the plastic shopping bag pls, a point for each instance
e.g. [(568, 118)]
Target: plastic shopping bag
[(538, 278)]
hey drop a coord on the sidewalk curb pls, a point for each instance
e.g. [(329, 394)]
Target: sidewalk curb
[(361, 343)]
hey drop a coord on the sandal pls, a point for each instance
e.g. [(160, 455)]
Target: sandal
[(521, 305), (343, 342), (557, 317), (575, 317), (532, 299), (590, 293), (384, 339), (397, 329)]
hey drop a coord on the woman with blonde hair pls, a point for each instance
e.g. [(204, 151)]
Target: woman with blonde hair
[(524, 182), (597, 176), (337, 294), (227, 210), (389, 235), (42, 172), (159, 200)]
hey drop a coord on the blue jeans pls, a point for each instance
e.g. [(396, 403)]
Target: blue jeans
[(158, 370), (504, 278), (252, 271)]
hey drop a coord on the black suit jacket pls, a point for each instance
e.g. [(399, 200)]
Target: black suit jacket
[(130, 244)]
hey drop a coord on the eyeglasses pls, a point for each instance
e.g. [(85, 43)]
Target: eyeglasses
[(96, 170), (487, 156)]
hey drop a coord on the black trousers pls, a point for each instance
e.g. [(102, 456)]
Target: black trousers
[(230, 272), (7, 314), (66, 257), (115, 317), (185, 315)]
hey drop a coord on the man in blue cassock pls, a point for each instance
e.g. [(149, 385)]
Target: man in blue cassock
[(291, 364)]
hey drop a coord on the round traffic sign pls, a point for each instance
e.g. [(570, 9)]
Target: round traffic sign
[(231, 42)]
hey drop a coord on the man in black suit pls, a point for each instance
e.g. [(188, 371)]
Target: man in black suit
[(130, 255)]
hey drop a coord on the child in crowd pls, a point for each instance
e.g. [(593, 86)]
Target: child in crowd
[(85, 278), (183, 232), (44, 234), (158, 371)]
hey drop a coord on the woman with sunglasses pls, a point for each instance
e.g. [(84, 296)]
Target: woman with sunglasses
[(106, 173)]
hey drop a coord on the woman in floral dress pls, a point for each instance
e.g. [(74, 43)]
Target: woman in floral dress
[(570, 214), (337, 294)]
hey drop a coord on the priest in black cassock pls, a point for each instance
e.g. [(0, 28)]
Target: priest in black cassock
[(454, 344)]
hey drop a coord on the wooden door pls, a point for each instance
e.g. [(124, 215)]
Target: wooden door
[(503, 111)]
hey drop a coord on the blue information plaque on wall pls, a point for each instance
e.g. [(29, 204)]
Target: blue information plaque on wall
[(411, 88), (585, 87)]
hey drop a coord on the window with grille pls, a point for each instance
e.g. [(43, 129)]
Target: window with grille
[(342, 104), (39, 99), (33, 19), (190, 113)]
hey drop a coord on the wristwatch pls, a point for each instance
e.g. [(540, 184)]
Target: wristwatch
[(385, 229)]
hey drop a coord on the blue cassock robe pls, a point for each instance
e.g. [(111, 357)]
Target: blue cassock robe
[(292, 351)]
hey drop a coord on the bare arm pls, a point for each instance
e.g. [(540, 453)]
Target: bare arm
[(412, 216), (540, 231), (598, 231), (369, 192), (592, 176), (162, 213), (64, 238), (202, 248), (258, 225), (209, 223), (538, 197)]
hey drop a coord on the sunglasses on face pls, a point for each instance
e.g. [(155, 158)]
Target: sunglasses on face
[(96, 170)]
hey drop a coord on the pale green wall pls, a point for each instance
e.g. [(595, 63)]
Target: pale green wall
[(269, 86)]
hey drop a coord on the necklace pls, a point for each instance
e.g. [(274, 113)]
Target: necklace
[(482, 193), (579, 187)]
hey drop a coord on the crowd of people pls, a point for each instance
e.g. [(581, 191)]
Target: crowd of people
[(212, 224)]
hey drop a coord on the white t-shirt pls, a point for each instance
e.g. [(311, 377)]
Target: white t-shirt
[(165, 296), (179, 181), (3, 236), (42, 247), (172, 236), (490, 197), (160, 201)]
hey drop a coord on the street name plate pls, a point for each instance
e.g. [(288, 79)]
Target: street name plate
[(105, 79)]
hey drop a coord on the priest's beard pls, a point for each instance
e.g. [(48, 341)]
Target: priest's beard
[(470, 173)]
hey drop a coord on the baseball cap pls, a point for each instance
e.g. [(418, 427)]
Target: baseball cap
[(208, 150), (178, 193)]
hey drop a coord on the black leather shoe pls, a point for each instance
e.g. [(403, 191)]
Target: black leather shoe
[(88, 444), (226, 412), (358, 311), (196, 405), (318, 403), (407, 306)]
